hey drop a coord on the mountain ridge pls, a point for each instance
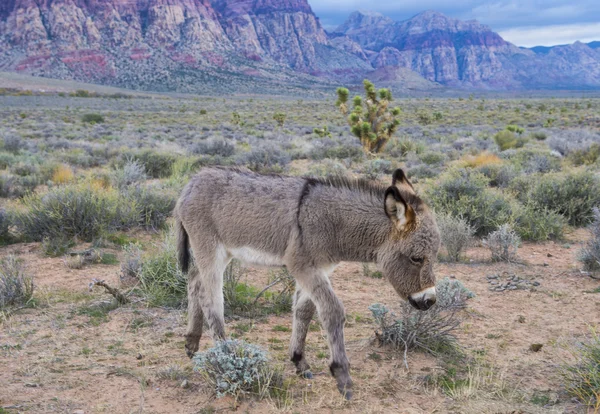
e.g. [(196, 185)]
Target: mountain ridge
[(180, 45)]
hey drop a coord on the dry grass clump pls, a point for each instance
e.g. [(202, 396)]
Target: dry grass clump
[(63, 174), (483, 159), (582, 378)]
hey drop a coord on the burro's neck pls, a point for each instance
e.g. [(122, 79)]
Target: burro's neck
[(344, 224)]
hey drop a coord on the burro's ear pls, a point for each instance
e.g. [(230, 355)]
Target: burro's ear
[(400, 212), (400, 180)]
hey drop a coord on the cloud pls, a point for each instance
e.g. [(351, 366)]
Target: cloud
[(552, 35)]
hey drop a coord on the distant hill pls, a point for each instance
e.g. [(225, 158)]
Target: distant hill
[(246, 46)]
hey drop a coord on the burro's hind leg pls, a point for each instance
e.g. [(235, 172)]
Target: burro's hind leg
[(195, 315), (331, 312), (205, 298), (304, 309)]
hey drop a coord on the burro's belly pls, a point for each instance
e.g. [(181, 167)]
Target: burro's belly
[(255, 257)]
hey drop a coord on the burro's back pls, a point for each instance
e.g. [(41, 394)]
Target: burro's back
[(308, 225)]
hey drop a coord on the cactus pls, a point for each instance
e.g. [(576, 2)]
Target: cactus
[(371, 120)]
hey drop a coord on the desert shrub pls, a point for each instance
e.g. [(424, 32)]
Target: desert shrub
[(586, 156), (373, 169), (81, 211), (582, 378), (16, 286), (400, 147), (538, 224), (503, 243), (500, 175), (132, 172), (464, 193), (213, 147), (92, 118), (432, 158), (5, 221), (156, 164), (131, 265), (279, 118), (423, 171), (539, 136), (237, 368), (482, 159), (456, 234), (13, 143), (161, 280), (154, 205), (430, 331), (505, 140), (327, 168), (336, 150), (589, 255), (265, 159), (541, 163), (573, 194)]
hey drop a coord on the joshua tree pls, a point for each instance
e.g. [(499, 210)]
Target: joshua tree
[(371, 119)]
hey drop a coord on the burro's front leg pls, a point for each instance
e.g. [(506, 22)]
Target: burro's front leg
[(331, 312)]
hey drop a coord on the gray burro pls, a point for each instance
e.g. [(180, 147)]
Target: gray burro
[(308, 225)]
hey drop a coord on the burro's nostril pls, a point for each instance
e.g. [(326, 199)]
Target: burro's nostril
[(429, 302)]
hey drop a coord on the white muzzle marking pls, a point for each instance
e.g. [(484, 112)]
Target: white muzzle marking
[(424, 295)]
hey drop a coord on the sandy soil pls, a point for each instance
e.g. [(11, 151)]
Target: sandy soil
[(56, 358)]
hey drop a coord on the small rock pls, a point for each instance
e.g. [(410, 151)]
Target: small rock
[(535, 347), (512, 288), (521, 319), (546, 264), (31, 385), (78, 412), (185, 384), (549, 255), (536, 283), (139, 356)]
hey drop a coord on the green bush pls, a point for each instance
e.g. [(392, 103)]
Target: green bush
[(70, 211), (573, 194), (503, 243), (465, 193), (155, 205), (538, 224), (161, 280), (587, 156), (156, 164), (505, 140), (92, 118)]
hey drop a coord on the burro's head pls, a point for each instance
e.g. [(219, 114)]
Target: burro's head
[(407, 256)]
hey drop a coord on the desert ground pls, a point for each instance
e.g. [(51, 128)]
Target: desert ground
[(71, 348)]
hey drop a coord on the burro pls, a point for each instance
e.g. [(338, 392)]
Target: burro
[(308, 225)]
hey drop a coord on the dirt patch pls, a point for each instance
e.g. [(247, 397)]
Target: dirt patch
[(74, 352)]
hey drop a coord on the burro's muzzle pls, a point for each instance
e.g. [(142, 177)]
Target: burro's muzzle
[(424, 299)]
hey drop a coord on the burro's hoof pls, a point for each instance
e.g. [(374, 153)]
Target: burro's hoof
[(191, 346), (346, 393), (307, 375)]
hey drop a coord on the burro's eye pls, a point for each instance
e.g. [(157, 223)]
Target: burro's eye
[(417, 261)]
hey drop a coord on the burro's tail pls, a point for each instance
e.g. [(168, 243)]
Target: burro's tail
[(183, 246)]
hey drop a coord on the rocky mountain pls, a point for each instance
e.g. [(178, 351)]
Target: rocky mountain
[(468, 54), (168, 44), (247, 45)]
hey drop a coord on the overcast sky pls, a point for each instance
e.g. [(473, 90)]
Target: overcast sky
[(524, 23)]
